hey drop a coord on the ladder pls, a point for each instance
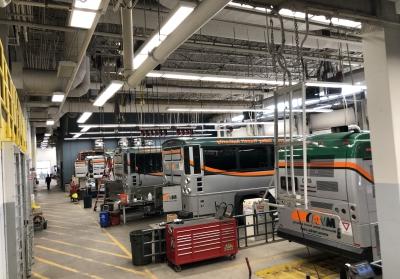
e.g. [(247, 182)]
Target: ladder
[(100, 198)]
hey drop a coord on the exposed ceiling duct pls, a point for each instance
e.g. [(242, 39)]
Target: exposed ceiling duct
[(46, 82), (127, 38), (84, 78)]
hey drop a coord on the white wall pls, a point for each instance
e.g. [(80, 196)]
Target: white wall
[(46, 157)]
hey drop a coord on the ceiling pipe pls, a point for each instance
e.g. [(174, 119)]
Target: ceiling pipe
[(81, 55), (203, 13), (127, 38)]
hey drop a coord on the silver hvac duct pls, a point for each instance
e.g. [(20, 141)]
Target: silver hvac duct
[(84, 86), (203, 13), (46, 82), (127, 38)]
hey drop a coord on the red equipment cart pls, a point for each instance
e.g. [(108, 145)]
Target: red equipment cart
[(202, 239)]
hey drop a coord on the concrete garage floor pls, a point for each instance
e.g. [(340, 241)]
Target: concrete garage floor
[(74, 246)]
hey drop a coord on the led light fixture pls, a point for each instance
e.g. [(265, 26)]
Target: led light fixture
[(84, 13), (213, 110), (183, 10), (85, 129), (212, 78), (334, 85), (107, 93), (77, 135), (84, 117), (57, 97), (50, 122)]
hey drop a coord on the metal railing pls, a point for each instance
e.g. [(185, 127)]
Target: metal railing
[(12, 121), (256, 228)]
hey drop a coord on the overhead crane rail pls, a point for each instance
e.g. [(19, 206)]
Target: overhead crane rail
[(12, 121)]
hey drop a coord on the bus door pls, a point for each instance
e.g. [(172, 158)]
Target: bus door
[(193, 167)]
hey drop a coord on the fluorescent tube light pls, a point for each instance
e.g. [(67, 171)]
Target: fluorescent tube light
[(107, 93), (47, 134), (183, 10), (154, 74), (82, 19), (87, 4), (334, 85), (57, 97), (177, 18), (50, 122), (212, 78), (225, 110), (85, 129), (181, 77), (166, 125), (84, 117)]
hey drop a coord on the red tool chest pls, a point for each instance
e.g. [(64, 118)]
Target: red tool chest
[(202, 239)]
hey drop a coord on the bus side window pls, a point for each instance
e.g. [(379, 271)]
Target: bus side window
[(186, 159), (196, 159)]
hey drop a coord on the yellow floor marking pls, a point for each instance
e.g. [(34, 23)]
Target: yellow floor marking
[(70, 228), (59, 233), (87, 248), (65, 268), (298, 269), (93, 240), (71, 218), (122, 247), (119, 244), (39, 276), (68, 223), (131, 270)]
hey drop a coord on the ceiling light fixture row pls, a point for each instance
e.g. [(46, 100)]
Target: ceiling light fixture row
[(212, 78), (335, 21), (183, 10), (83, 13)]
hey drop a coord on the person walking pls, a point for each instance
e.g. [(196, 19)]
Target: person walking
[(48, 181)]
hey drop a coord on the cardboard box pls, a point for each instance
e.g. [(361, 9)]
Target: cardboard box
[(171, 217)]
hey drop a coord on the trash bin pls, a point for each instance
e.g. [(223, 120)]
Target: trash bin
[(139, 249), (104, 218), (87, 201)]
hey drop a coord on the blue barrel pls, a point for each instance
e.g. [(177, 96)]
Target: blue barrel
[(104, 219)]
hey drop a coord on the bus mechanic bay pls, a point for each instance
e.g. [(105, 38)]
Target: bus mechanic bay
[(215, 170), (341, 214)]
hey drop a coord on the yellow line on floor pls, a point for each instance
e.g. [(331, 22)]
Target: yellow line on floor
[(59, 233), (39, 276), (71, 228), (93, 240), (119, 244), (60, 266), (68, 223), (122, 247), (131, 270), (87, 248)]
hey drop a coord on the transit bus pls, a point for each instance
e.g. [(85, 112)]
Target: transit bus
[(140, 170), (215, 170), (341, 214)]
